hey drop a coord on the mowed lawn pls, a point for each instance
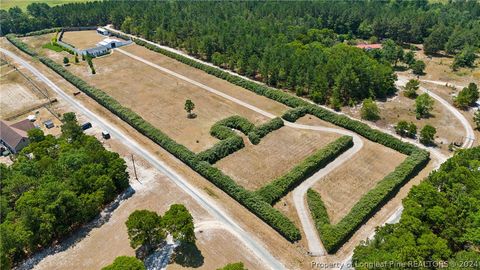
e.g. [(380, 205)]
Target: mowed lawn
[(6, 4)]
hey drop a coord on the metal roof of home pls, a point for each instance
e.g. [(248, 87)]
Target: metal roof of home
[(11, 135)]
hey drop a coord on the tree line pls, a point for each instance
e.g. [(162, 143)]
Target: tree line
[(440, 221), (294, 45), (54, 186)]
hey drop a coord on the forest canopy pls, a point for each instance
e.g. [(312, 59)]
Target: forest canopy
[(293, 45), (440, 221), (54, 186)]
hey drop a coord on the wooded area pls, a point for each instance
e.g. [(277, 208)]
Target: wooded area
[(54, 186), (295, 45), (440, 221)]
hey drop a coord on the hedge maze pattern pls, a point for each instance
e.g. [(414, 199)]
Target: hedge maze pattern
[(260, 202)]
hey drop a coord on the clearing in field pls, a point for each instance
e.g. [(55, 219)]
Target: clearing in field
[(342, 188), (274, 156), (16, 94)]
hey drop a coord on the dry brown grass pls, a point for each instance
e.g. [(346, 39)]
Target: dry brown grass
[(159, 98), (342, 188), (439, 68), (82, 39), (256, 165)]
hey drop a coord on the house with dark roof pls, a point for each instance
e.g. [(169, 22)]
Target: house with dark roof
[(13, 136)]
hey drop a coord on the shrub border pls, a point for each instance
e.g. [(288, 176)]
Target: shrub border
[(294, 102), (250, 200)]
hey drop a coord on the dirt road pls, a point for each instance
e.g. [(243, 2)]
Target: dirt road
[(314, 244), (469, 134)]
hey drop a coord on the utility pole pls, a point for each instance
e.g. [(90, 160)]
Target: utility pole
[(134, 168)]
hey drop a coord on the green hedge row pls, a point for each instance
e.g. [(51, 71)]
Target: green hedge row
[(250, 200), (42, 32), (260, 89), (289, 100), (275, 190), (222, 149), (20, 45), (262, 130), (294, 114), (363, 130), (232, 142), (334, 236)]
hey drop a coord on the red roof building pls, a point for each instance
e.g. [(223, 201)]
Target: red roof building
[(369, 46)]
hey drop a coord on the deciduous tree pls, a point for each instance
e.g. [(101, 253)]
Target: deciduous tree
[(411, 88), (423, 105), (370, 110), (427, 134)]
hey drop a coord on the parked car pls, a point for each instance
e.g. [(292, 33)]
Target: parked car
[(86, 126), (105, 135)]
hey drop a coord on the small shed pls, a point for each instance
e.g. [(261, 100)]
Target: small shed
[(102, 31)]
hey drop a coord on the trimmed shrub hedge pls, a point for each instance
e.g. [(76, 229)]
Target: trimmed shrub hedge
[(250, 200), (279, 187), (261, 131), (294, 114), (289, 100), (20, 45), (222, 149), (334, 236), (230, 141), (42, 32)]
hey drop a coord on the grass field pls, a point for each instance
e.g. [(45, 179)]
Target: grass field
[(6, 4), (274, 156), (342, 188)]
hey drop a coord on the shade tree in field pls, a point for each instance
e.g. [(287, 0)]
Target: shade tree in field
[(148, 231), (418, 67), (125, 263), (189, 106), (370, 110), (406, 129), (409, 58), (411, 88), (476, 119), (467, 96), (465, 58), (65, 60), (423, 106), (427, 134)]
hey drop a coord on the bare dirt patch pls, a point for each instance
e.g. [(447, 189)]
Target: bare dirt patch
[(16, 94), (341, 189), (256, 165)]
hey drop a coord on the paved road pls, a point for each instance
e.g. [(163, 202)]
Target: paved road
[(199, 197), (469, 134), (314, 244)]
